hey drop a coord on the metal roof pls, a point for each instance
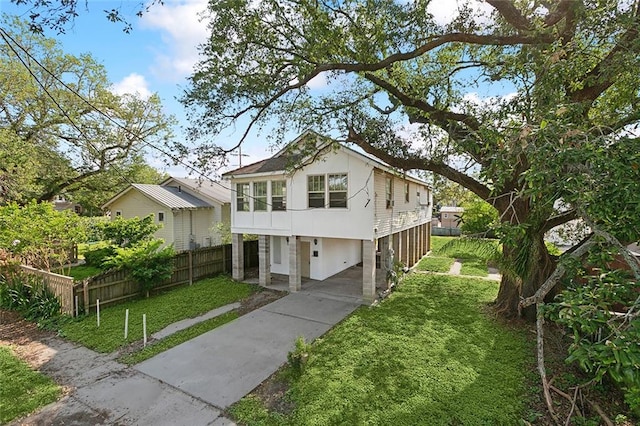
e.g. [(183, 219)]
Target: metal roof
[(214, 190), (171, 196)]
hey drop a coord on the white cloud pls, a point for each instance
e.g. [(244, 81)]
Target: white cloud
[(445, 11), (134, 84), (181, 32)]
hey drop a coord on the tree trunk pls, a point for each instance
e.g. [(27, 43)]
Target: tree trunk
[(532, 265)]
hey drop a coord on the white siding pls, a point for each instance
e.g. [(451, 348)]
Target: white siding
[(405, 214), (355, 221), (135, 204)]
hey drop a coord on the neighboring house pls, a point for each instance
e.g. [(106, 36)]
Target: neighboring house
[(334, 210), (450, 217), (60, 203), (188, 211)]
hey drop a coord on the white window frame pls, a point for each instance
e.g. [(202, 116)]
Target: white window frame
[(161, 217), (242, 197), (316, 179), (260, 201), (279, 201), (338, 191)]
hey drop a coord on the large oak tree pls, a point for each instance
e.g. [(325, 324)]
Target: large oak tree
[(530, 93), (62, 129)]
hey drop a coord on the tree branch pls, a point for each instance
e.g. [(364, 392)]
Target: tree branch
[(560, 219), (419, 163)]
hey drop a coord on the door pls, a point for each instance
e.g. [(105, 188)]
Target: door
[(305, 259)]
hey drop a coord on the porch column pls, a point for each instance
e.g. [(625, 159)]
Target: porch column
[(295, 277), (384, 246), (428, 236), (404, 243), (237, 257), (368, 271), (396, 247), (264, 260)]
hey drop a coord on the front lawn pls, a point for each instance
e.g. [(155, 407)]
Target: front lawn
[(23, 390), (435, 264), (429, 355), (161, 310), (80, 272), (445, 250)]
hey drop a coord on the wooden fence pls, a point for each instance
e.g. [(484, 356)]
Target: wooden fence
[(60, 285), (115, 286)]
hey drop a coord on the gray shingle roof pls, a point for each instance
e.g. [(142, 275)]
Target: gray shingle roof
[(171, 196)]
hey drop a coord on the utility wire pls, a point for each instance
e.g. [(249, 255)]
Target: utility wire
[(5, 35)]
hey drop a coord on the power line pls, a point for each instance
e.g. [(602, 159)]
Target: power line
[(5, 35)]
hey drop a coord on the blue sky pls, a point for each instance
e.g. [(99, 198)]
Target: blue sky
[(159, 54)]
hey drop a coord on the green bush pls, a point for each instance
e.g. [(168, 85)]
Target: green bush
[(96, 257), (28, 295), (478, 218), (604, 340), (146, 262), (299, 356)]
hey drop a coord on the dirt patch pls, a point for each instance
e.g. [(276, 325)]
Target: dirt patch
[(25, 338), (259, 299), (273, 392)]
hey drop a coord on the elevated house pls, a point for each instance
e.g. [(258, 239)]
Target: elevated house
[(187, 209), (320, 207)]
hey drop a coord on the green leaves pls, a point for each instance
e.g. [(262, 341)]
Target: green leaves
[(146, 261)]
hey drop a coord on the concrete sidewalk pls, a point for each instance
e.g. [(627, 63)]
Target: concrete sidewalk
[(105, 392), (224, 364)]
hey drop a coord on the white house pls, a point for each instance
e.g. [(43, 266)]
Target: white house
[(320, 213), (187, 209)]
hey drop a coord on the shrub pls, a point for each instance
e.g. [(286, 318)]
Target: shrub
[(129, 232), (596, 309), (28, 295), (299, 356), (146, 262), (478, 218), (96, 257)]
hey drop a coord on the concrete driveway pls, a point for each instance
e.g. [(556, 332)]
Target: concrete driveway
[(223, 365)]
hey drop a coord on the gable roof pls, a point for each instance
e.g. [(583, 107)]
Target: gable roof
[(286, 157), (216, 191), (167, 196)]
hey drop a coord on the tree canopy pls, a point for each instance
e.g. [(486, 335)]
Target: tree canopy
[(540, 97), (62, 130)]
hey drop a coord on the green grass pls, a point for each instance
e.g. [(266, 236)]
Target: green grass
[(428, 355), (435, 264), (178, 338), (437, 242), (476, 267), (161, 310), (23, 390), (81, 272)]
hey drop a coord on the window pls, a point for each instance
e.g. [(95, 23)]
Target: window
[(315, 187), (389, 192), (278, 195), (118, 213), (260, 196), (242, 197), (406, 192), (160, 216), (338, 190)]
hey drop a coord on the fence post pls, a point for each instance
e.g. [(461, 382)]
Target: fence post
[(190, 267), (85, 294)]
